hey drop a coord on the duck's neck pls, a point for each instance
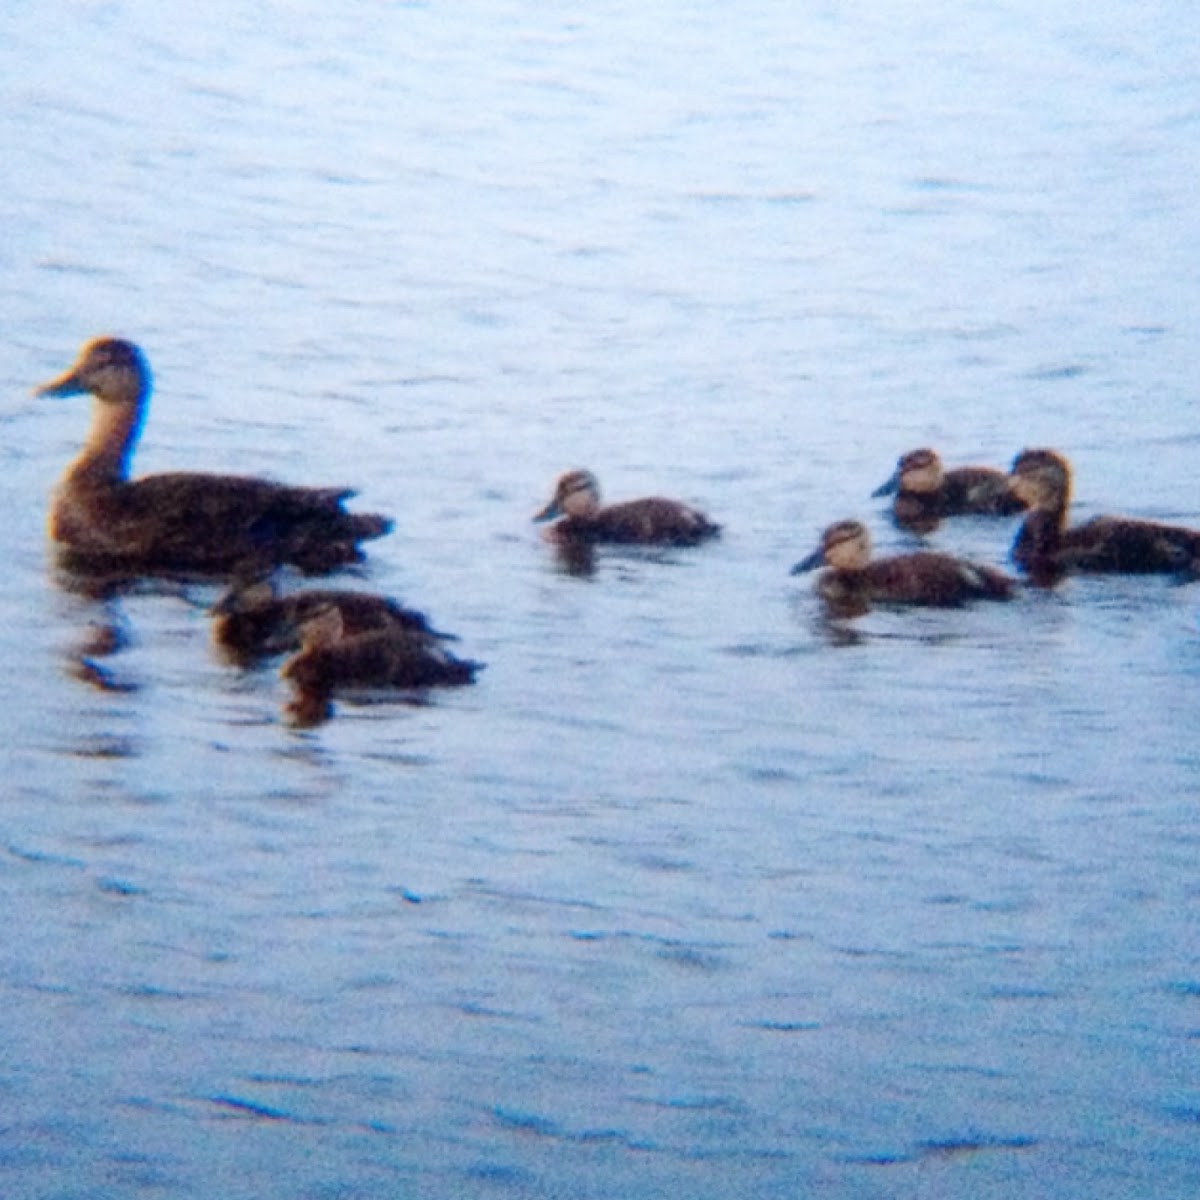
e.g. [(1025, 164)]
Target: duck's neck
[(108, 448), (1039, 537)]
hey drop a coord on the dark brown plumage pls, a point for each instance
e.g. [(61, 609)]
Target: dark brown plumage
[(925, 492), (852, 582), (1046, 549), (253, 621), (331, 661), (100, 519), (653, 521)]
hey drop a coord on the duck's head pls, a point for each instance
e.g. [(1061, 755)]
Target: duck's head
[(111, 369), (307, 669), (576, 494), (1041, 479), (918, 471), (244, 619), (844, 546)]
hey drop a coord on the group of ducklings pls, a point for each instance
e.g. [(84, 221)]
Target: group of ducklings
[(1046, 549), (243, 528)]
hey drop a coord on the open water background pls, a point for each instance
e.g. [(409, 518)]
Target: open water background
[(691, 895)]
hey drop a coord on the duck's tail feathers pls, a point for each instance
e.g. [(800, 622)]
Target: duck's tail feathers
[(364, 526)]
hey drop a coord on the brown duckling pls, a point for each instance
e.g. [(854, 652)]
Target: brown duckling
[(254, 621), (852, 581), (925, 491), (332, 661), (186, 522), (1046, 549), (652, 521)]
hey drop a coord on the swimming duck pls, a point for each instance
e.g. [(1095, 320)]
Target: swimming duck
[(253, 621), (100, 518), (331, 661), (1046, 549), (925, 491), (851, 581), (652, 521)]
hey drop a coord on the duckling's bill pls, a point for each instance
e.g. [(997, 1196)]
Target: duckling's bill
[(889, 488), (814, 560)]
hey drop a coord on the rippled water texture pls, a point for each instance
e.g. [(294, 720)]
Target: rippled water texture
[(693, 894)]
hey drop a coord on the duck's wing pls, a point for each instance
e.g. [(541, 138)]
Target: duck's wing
[(1128, 545), (939, 580), (653, 519), (361, 612), (379, 658), (191, 520), (979, 490)]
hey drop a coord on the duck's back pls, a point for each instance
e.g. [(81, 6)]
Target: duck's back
[(380, 658), (982, 490), (189, 521), (933, 579), (1126, 545), (252, 629), (650, 521)]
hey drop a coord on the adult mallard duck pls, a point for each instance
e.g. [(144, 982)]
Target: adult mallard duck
[(332, 661), (851, 581), (652, 521), (187, 522), (925, 491), (253, 621), (1047, 549)]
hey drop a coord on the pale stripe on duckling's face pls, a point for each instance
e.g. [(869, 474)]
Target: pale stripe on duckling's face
[(845, 546), (917, 471), (921, 471), (576, 494)]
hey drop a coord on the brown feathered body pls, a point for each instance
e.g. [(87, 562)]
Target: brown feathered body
[(379, 658), (652, 521), (852, 581), (1047, 549), (332, 661), (182, 521), (923, 577), (254, 621), (926, 492), (207, 523)]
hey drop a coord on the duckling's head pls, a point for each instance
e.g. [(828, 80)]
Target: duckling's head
[(307, 669), (576, 494), (918, 471), (1041, 479), (844, 546), (111, 369), (244, 619)]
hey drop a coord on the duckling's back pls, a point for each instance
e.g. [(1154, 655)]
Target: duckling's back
[(650, 521)]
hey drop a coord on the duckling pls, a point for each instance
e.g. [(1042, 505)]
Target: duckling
[(652, 521), (925, 492), (331, 661), (101, 519), (1047, 550), (253, 621), (851, 581)]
